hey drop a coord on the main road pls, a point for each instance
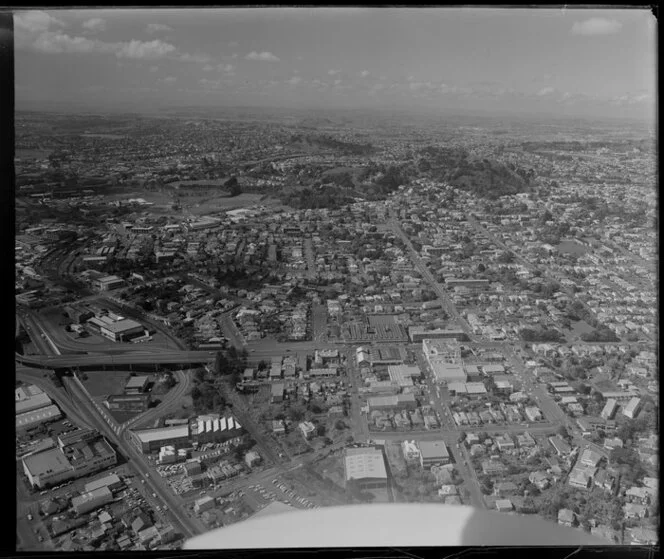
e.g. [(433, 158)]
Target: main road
[(448, 305)]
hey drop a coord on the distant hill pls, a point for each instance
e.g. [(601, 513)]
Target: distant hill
[(483, 177)]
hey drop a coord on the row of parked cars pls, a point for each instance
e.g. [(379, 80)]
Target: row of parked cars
[(301, 500)]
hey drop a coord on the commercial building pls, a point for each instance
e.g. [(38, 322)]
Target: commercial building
[(398, 401), (365, 468), (403, 375), (444, 358), (91, 500), (433, 453), (418, 334), (106, 283), (137, 385), (129, 402), (78, 454), (122, 330), (633, 408)]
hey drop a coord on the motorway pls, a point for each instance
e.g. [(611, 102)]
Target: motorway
[(144, 357)]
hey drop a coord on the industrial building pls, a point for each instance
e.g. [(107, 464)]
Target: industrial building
[(365, 467), (33, 402), (78, 454), (122, 330), (129, 402), (403, 375), (28, 420), (610, 408), (113, 482), (91, 500), (200, 430), (433, 453)]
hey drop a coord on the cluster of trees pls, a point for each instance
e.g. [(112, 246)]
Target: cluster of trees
[(329, 197), (233, 187), (541, 335), (601, 334), (231, 363)]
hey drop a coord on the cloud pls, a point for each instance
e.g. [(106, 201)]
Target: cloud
[(205, 82), (144, 50), (200, 58), (58, 42), (545, 91), (227, 68), (35, 21), (94, 24), (337, 82), (333, 72), (266, 56), (55, 43), (233, 44), (154, 68), (169, 79), (364, 73), (294, 80), (596, 26), (157, 27)]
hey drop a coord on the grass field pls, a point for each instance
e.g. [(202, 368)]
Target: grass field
[(104, 383)]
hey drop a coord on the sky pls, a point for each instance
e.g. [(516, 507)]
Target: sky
[(567, 62)]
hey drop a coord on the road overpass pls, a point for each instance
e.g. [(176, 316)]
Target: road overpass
[(134, 358)]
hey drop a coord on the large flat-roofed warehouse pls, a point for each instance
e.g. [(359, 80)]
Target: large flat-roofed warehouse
[(365, 467), (151, 440), (47, 468), (122, 330), (40, 400)]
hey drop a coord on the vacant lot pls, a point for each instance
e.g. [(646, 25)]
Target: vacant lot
[(104, 383)]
